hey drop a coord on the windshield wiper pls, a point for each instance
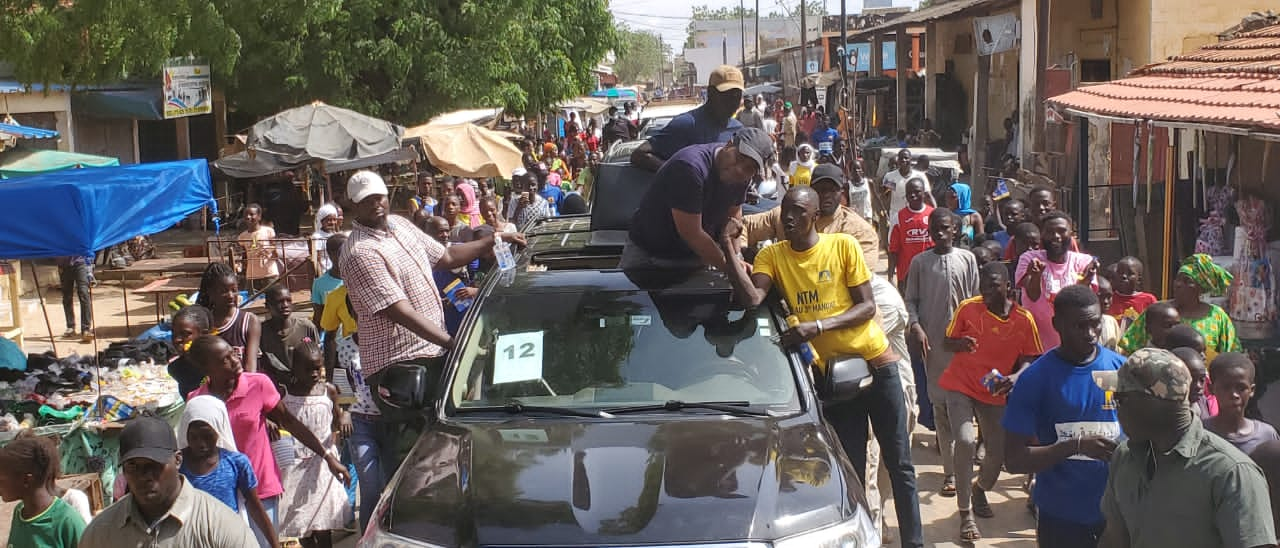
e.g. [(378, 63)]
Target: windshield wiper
[(517, 408), (728, 407)]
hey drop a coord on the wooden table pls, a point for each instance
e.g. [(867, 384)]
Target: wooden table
[(188, 266), (163, 287)]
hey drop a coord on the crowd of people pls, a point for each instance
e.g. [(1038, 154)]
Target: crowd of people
[(1126, 414)]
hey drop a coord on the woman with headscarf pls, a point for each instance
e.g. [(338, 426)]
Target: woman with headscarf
[(960, 200), (801, 168), (1197, 275), (470, 212), (328, 223)]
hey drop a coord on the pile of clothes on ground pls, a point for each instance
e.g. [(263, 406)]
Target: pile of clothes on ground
[(123, 379)]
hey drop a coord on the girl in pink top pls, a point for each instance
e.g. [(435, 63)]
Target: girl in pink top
[(251, 400)]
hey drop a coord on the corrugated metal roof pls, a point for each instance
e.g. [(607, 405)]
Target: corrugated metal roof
[(1233, 83), (934, 13), (25, 132)]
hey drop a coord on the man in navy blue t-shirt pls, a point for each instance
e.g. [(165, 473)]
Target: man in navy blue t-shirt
[(681, 216), (1062, 427), (712, 122)]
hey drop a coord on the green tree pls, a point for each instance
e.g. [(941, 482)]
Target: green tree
[(641, 54), (52, 41), (402, 60)]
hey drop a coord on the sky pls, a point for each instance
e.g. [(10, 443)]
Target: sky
[(670, 17)]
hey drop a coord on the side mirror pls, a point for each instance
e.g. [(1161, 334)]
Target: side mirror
[(845, 379), (406, 386)]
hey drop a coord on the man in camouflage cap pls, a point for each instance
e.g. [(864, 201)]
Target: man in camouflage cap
[(1173, 483)]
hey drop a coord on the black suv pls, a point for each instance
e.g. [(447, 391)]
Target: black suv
[(586, 406)]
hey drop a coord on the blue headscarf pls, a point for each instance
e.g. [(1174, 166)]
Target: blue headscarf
[(964, 198)]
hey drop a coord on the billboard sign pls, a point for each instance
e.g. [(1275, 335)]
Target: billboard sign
[(188, 90)]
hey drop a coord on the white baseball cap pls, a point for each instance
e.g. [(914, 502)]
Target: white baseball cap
[(365, 184)]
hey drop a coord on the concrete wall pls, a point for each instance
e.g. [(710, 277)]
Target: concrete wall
[(56, 102), (1179, 26), (955, 44)]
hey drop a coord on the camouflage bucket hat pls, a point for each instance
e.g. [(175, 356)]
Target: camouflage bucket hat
[(1156, 372)]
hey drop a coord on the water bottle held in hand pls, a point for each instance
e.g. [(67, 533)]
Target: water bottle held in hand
[(989, 380), (502, 252)]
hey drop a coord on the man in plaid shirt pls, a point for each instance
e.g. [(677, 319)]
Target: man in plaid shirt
[(386, 265)]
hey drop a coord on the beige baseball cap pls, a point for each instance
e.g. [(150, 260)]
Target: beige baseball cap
[(725, 78)]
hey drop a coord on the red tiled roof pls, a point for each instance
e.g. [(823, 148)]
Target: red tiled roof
[(1235, 82)]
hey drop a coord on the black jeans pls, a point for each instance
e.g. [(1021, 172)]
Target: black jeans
[(75, 279), (883, 404), (1056, 533)]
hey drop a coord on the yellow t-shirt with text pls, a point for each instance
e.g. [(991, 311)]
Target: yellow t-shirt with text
[(816, 284)]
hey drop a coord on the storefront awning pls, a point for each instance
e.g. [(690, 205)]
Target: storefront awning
[(26, 132), (1233, 84), (142, 104), (935, 13)]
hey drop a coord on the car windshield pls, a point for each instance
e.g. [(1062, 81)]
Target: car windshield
[(609, 349)]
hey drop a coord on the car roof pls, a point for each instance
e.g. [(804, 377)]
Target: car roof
[(669, 282)]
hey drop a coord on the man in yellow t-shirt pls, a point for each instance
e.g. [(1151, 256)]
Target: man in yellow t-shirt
[(827, 284)]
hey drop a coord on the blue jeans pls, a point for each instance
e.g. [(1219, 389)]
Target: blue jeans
[(883, 404), (370, 440), (1056, 533)]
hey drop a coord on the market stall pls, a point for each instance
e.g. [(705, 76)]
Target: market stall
[(1190, 170), (82, 398)]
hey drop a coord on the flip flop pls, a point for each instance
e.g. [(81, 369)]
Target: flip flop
[(969, 532), (981, 507), (948, 487)]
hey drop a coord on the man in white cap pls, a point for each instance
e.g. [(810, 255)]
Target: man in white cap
[(694, 194), (386, 265), (712, 122)]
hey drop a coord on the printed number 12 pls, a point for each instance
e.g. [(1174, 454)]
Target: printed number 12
[(526, 351)]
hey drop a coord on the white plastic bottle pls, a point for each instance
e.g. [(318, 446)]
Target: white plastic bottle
[(502, 252)]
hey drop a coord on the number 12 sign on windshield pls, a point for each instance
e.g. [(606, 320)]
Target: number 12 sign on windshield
[(188, 90), (518, 357)]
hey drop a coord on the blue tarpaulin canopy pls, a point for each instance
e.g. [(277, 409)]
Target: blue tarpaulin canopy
[(21, 162), (27, 132), (80, 211)]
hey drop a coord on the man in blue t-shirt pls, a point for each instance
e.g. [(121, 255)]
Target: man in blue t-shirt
[(1062, 427), (825, 138), (692, 197), (712, 122)]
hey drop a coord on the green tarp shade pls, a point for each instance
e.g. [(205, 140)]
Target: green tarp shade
[(143, 104), (17, 163)]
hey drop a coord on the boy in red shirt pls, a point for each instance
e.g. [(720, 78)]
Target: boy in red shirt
[(910, 237), (1129, 301), (988, 332)]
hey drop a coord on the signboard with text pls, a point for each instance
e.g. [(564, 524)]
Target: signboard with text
[(188, 90), (861, 54)]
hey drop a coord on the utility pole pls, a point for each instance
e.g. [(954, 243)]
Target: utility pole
[(662, 63), (742, 28), (804, 39), (757, 34)]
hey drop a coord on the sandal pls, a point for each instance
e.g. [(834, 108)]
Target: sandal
[(948, 487), (981, 507), (969, 532)]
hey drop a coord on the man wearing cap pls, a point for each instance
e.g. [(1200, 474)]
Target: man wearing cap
[(162, 510), (683, 213), (712, 122), (749, 116), (1173, 483), (790, 126), (833, 217), (387, 264)]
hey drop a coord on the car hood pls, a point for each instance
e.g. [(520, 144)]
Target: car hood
[(686, 478)]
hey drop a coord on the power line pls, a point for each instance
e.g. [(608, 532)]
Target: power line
[(620, 12)]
